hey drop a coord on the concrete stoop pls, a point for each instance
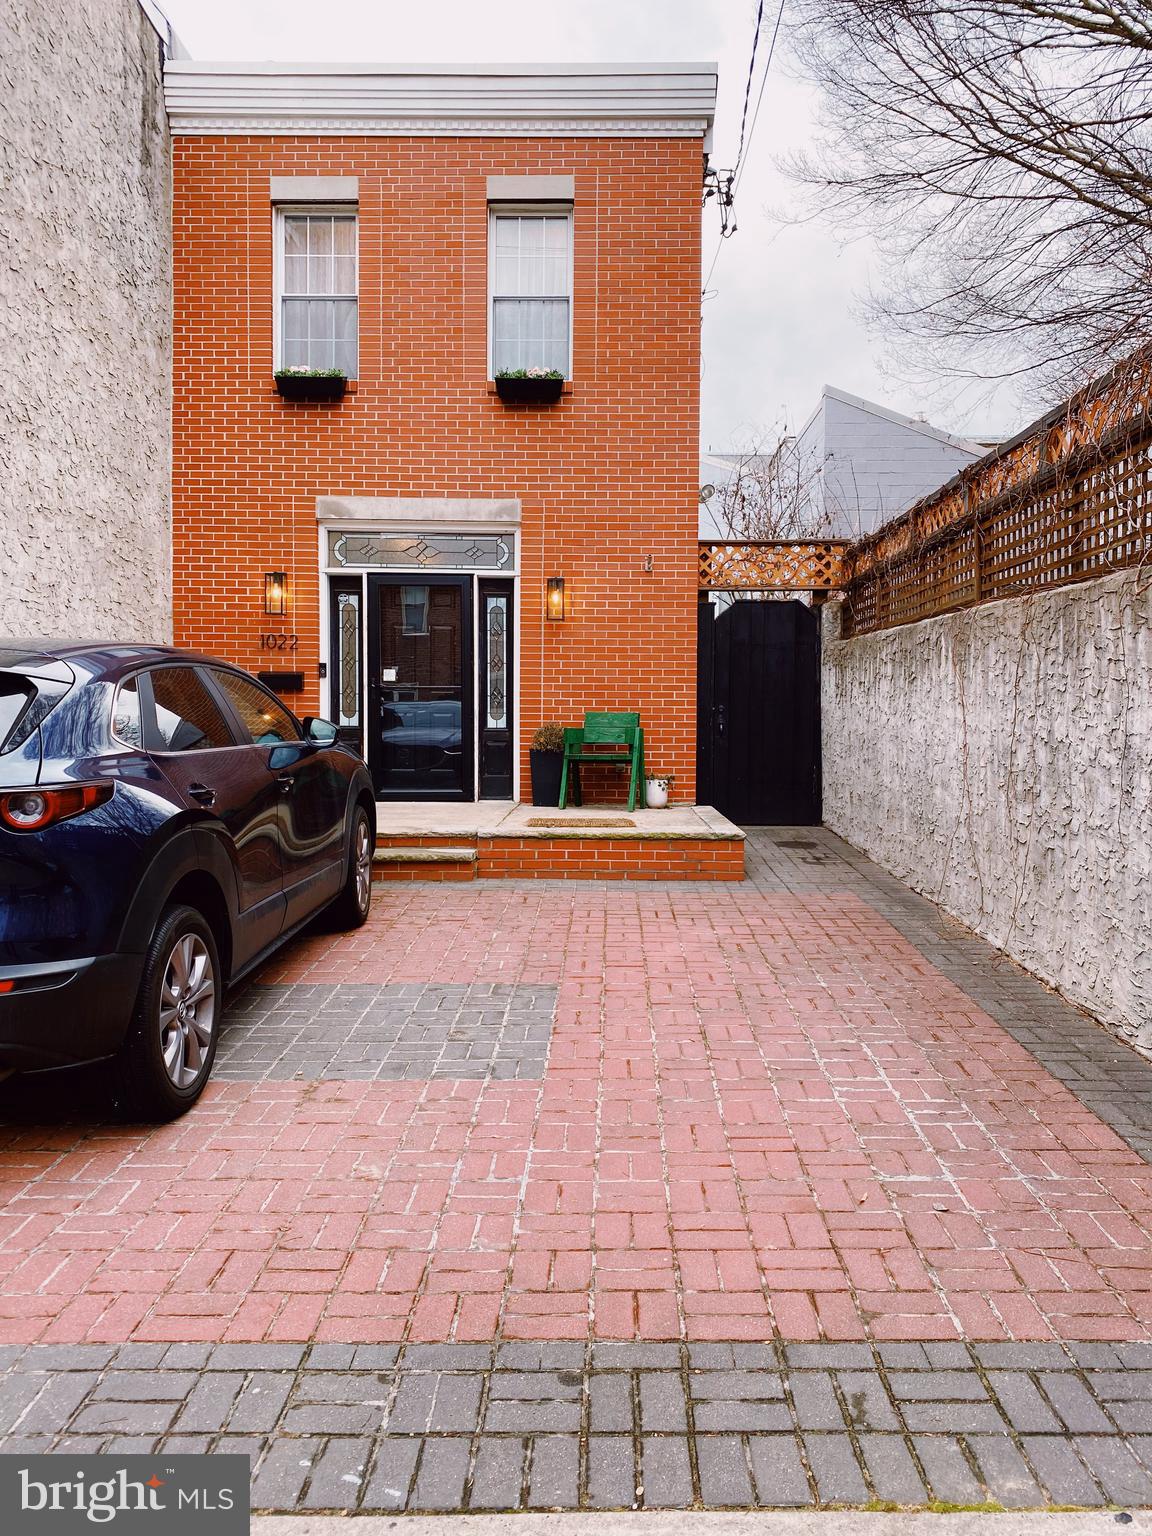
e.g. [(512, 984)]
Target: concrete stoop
[(456, 842)]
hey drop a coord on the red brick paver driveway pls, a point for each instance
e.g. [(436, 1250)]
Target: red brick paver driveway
[(763, 1113)]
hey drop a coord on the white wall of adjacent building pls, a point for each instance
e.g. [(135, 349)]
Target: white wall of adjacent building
[(852, 466), (857, 464), (85, 289)]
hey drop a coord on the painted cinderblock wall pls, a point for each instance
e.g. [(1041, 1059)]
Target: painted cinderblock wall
[(85, 291), (999, 760)]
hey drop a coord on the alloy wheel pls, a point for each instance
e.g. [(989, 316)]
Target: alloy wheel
[(363, 858), (187, 1009)]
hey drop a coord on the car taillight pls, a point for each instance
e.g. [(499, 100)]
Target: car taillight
[(30, 810)]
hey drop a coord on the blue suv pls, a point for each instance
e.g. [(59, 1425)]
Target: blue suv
[(165, 823)]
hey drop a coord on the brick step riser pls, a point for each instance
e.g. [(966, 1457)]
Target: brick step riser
[(523, 858), (390, 874)]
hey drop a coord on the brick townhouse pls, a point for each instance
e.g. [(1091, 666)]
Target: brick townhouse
[(436, 568)]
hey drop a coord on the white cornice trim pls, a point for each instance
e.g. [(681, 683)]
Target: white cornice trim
[(442, 127), (646, 100), (457, 72)]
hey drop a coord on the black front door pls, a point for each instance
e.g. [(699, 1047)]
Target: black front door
[(758, 701), (420, 742)]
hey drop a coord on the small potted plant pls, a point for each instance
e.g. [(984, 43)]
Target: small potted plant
[(311, 384), (529, 386), (656, 787), (546, 756)]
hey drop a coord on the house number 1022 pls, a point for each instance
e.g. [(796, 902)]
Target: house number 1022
[(279, 642)]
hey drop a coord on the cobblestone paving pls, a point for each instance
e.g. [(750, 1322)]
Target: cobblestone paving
[(398, 1032), (589, 1195), (562, 1425)]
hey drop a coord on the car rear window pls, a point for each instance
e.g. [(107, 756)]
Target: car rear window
[(24, 703), (16, 693)]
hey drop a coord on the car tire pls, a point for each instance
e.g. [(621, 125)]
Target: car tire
[(351, 908), (167, 1055)]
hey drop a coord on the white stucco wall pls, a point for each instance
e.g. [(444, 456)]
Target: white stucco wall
[(85, 284), (1000, 761)]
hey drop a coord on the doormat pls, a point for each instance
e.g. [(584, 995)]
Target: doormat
[(580, 821)]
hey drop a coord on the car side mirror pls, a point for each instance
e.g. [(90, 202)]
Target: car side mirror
[(322, 732)]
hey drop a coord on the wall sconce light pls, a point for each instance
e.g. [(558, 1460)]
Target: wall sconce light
[(555, 601), (276, 593)]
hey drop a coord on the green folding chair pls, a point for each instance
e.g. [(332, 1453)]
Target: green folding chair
[(603, 738)]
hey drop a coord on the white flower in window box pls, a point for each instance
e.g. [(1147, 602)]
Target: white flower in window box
[(530, 386)]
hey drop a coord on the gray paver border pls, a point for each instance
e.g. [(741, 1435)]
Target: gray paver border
[(714, 1523), (377, 1428)]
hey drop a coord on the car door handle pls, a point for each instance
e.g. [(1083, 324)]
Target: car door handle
[(286, 781), (202, 794)]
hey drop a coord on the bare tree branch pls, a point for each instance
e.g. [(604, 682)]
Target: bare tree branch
[(1000, 152), (774, 493)]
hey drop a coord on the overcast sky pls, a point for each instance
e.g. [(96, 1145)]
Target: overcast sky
[(779, 319)]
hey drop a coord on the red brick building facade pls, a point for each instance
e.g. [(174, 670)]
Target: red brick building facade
[(576, 192)]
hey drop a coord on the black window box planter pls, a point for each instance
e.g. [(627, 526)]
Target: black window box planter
[(298, 386), (530, 391)]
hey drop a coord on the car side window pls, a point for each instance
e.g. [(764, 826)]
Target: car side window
[(188, 719), (127, 725), (263, 717)]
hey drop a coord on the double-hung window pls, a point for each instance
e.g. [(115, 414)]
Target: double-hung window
[(530, 283), (318, 303)]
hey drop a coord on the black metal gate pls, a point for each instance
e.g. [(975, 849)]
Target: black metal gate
[(758, 712)]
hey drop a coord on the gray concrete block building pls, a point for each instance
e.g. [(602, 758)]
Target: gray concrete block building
[(85, 289)]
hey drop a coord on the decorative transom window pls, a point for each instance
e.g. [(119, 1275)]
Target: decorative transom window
[(530, 283), (318, 290)]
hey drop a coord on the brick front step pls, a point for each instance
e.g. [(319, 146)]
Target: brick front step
[(423, 859)]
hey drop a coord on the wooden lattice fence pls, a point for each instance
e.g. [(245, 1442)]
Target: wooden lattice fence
[(1067, 500), (777, 565)]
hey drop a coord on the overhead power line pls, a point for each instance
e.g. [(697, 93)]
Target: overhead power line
[(748, 84), (724, 185), (760, 97)]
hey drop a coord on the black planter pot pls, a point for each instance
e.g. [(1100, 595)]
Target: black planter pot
[(530, 391), (298, 386), (547, 768)]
